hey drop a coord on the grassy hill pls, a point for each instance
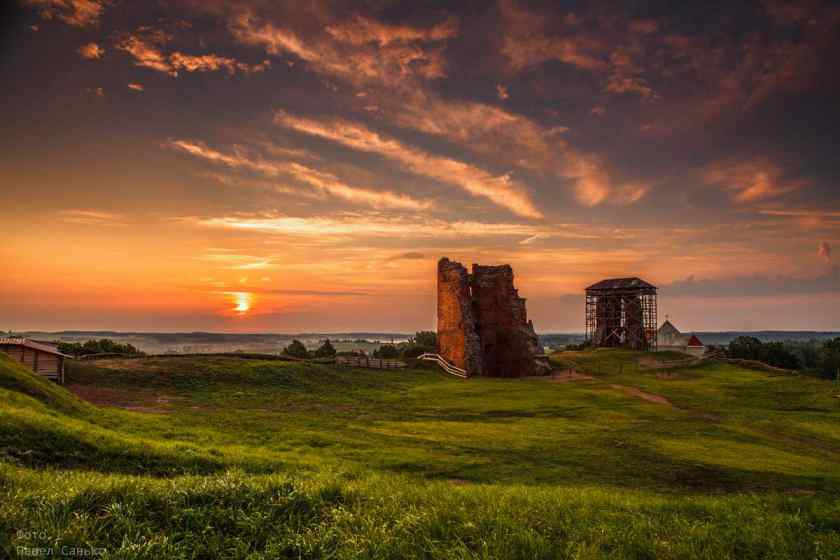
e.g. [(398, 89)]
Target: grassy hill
[(209, 457)]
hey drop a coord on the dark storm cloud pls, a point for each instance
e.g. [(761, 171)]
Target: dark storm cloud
[(747, 286)]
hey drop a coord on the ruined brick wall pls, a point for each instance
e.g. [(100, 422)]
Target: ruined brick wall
[(483, 324), (457, 336), (508, 340)]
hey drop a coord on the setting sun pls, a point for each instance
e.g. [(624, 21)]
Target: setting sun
[(242, 302)]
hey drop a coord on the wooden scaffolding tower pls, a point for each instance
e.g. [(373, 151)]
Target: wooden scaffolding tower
[(621, 312)]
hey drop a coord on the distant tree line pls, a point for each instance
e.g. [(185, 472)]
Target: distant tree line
[(101, 346), (297, 350), (817, 357), (421, 343)]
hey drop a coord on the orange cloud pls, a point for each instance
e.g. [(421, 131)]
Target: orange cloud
[(362, 52), (527, 42), (593, 185), (619, 83), (501, 190), (366, 226), (318, 179), (363, 30), (80, 13), (135, 87), (332, 185), (92, 217), (212, 63), (750, 181), (147, 53), (91, 51), (415, 227)]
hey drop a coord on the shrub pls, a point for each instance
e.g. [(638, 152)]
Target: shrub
[(426, 338), (326, 350), (414, 350), (101, 346), (387, 352), (296, 350), (775, 354), (745, 348)]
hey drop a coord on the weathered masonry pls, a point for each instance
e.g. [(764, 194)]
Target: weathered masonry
[(483, 327), (41, 358)]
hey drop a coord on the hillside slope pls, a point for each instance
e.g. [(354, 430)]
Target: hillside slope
[(244, 458)]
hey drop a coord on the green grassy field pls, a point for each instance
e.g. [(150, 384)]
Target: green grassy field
[(200, 457)]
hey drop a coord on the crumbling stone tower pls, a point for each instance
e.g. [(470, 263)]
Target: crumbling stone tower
[(457, 333), (483, 326)]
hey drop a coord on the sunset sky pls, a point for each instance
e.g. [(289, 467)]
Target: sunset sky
[(263, 166)]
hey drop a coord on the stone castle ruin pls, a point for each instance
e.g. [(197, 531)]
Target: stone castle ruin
[(483, 327)]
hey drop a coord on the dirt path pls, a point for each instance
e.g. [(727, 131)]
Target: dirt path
[(650, 397), (564, 376), (135, 400)]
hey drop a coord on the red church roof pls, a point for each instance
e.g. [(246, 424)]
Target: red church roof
[(694, 341)]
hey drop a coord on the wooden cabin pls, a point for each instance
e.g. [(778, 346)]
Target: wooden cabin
[(43, 359)]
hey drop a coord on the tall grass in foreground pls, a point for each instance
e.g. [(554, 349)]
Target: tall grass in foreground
[(244, 516)]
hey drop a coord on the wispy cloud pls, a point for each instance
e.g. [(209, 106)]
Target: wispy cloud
[(352, 225), (80, 13), (235, 261), (361, 51), (501, 190), (527, 42), (752, 180), (135, 87), (212, 63), (801, 213), (363, 30), (147, 51), (411, 255), (321, 180), (92, 217)]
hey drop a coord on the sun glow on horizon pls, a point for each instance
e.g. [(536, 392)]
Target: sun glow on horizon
[(242, 302)]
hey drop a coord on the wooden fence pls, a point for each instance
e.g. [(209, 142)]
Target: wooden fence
[(365, 362), (444, 365)]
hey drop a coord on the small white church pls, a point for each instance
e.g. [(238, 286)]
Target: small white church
[(669, 338)]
